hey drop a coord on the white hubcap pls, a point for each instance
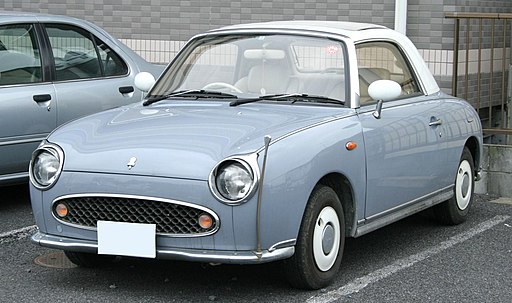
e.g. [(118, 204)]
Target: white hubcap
[(463, 185), (326, 238)]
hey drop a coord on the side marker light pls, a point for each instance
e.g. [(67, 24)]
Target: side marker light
[(351, 145)]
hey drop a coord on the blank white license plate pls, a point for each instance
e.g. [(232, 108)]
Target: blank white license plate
[(127, 239)]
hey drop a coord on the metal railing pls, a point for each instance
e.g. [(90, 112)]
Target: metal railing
[(481, 69)]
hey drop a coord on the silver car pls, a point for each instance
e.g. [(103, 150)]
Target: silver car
[(258, 143), (54, 69)]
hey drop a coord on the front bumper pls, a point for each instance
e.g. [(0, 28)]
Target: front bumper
[(277, 252)]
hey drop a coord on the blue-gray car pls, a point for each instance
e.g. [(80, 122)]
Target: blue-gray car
[(54, 69), (261, 142)]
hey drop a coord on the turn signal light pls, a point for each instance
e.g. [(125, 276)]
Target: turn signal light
[(61, 210), (351, 145), (205, 221)]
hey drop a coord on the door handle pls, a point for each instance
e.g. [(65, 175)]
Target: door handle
[(42, 98), (435, 122), (126, 89)]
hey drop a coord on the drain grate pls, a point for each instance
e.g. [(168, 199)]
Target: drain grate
[(54, 260)]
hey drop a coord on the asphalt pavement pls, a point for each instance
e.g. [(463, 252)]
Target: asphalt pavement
[(413, 260)]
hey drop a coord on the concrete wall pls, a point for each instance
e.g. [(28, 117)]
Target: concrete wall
[(497, 171)]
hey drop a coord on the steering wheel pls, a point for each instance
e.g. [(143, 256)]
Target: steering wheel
[(222, 85)]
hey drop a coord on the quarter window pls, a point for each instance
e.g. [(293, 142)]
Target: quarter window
[(20, 62), (383, 61), (80, 55)]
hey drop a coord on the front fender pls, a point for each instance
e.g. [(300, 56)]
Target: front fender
[(295, 164)]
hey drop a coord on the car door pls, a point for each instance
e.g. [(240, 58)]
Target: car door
[(27, 102), (404, 146), (88, 76)]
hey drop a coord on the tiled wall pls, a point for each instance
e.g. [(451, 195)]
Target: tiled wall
[(158, 28)]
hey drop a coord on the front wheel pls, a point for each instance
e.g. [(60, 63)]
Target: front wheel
[(320, 243), (455, 210)]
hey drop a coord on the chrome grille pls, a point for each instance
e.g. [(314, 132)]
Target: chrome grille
[(170, 218)]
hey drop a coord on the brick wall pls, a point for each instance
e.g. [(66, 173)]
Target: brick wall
[(158, 28)]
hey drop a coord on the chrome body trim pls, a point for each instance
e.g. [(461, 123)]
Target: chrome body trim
[(250, 162), (392, 215), (29, 139), (56, 151), (187, 204), (282, 244), (230, 257), (16, 176)]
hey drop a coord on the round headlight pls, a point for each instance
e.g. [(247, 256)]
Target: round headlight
[(232, 181), (45, 166)]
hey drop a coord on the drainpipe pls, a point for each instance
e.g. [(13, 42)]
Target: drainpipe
[(401, 16)]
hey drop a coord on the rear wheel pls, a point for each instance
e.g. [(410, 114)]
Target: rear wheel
[(87, 259), (320, 244), (455, 210)]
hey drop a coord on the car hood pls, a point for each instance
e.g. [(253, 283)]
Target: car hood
[(180, 139)]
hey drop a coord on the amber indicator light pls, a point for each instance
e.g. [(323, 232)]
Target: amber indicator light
[(350, 145), (62, 210), (205, 221)]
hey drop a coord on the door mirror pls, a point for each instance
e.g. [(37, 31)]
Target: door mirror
[(384, 90), (144, 81)]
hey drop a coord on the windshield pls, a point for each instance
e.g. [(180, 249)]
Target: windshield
[(249, 66)]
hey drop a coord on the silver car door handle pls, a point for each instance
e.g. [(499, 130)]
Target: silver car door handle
[(435, 122)]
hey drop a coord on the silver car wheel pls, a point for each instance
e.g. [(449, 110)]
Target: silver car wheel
[(326, 239), (463, 185)]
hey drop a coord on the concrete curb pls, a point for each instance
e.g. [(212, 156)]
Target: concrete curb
[(502, 200)]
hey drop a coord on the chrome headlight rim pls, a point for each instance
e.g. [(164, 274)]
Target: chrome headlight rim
[(249, 163), (55, 151)]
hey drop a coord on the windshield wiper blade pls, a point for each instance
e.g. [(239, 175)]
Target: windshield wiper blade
[(194, 93), (315, 98), (264, 97), (288, 97)]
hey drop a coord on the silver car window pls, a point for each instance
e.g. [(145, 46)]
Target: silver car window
[(20, 62), (383, 61), (112, 63), (79, 55)]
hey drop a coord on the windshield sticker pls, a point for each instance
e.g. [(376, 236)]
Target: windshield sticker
[(332, 49)]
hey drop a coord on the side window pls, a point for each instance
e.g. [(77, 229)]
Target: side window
[(20, 62), (383, 61), (80, 55), (112, 63)]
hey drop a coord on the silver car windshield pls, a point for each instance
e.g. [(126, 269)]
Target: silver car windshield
[(251, 66)]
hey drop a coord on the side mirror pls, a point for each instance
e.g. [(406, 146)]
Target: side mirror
[(144, 81), (383, 90)]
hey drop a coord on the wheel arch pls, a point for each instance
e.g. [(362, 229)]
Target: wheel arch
[(343, 189), (472, 144)]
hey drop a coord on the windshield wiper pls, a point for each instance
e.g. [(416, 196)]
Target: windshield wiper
[(288, 97), (194, 93)]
